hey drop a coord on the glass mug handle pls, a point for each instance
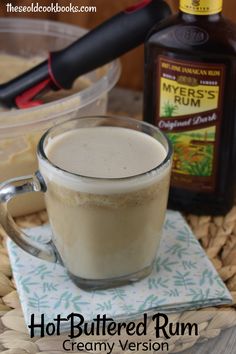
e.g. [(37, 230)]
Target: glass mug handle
[(8, 190)]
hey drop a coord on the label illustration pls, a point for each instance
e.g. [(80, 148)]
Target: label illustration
[(201, 7), (189, 111)]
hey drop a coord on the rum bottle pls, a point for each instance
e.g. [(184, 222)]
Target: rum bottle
[(190, 93)]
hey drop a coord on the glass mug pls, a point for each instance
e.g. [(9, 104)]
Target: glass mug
[(105, 231)]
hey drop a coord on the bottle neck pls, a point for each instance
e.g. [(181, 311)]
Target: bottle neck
[(201, 7)]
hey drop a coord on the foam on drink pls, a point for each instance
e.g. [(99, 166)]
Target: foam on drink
[(105, 153)]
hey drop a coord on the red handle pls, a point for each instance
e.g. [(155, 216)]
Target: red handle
[(137, 6)]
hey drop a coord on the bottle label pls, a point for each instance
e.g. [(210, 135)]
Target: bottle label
[(201, 7), (189, 101)]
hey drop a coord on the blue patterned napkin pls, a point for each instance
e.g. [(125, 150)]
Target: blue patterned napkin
[(183, 278)]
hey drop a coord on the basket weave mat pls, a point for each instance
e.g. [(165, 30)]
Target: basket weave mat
[(217, 236)]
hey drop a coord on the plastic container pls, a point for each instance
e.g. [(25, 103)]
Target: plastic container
[(20, 130)]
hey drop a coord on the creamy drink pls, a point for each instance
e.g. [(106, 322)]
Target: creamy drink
[(106, 183), (109, 225)]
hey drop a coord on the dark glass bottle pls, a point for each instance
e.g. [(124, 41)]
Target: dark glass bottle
[(190, 93)]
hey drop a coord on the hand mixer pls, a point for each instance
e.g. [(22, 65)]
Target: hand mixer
[(108, 41)]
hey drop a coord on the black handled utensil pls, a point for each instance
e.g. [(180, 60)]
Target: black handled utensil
[(111, 39)]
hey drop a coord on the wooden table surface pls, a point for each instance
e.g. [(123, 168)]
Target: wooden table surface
[(225, 343)]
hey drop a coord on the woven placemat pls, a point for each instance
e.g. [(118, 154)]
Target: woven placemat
[(217, 236)]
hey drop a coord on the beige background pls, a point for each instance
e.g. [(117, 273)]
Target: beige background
[(132, 75)]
